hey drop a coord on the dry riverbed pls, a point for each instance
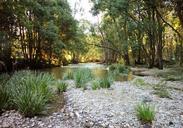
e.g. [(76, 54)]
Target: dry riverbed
[(108, 108)]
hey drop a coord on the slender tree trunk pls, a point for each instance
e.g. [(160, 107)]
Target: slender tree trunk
[(160, 47), (181, 52), (126, 55)]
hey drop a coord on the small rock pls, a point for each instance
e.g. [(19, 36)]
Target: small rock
[(170, 123), (147, 126), (71, 114), (146, 99), (88, 124)]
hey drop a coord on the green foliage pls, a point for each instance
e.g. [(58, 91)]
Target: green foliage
[(95, 84), (68, 75), (61, 86), (82, 76), (119, 68), (161, 90), (118, 71), (4, 78), (50, 20), (145, 113), (140, 82), (4, 97), (29, 92), (105, 82), (172, 74), (174, 78), (163, 93)]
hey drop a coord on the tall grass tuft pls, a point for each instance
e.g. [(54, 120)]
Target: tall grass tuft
[(68, 75), (140, 82), (82, 76), (105, 82), (145, 113), (119, 68), (4, 96), (161, 90), (61, 86), (95, 84), (29, 92)]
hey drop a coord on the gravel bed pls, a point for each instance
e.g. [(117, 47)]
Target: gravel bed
[(115, 107), (106, 108), (12, 119)]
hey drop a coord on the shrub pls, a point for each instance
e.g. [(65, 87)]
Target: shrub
[(145, 113), (95, 85), (81, 77), (68, 75), (61, 86), (29, 92)]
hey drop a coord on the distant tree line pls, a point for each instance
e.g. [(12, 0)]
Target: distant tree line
[(141, 31), (36, 33)]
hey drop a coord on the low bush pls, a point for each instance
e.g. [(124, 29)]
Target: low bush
[(61, 86), (82, 76), (68, 75), (145, 113), (29, 92)]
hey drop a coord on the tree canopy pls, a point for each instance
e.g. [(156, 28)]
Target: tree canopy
[(40, 33)]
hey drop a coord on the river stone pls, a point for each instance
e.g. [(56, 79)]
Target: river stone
[(146, 99)]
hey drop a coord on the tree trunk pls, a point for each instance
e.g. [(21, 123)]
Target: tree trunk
[(160, 41)]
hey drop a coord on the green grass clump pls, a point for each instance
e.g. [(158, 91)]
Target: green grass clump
[(82, 76), (61, 86), (145, 113), (119, 68), (29, 92), (140, 82), (173, 78), (105, 82), (161, 90), (4, 78), (163, 93), (172, 74), (95, 85), (68, 75), (4, 97), (112, 67)]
